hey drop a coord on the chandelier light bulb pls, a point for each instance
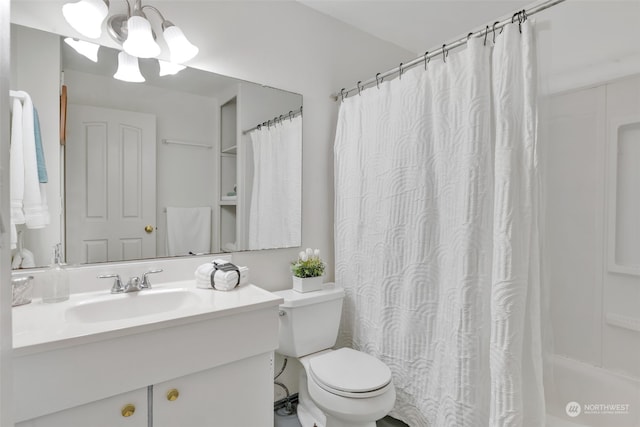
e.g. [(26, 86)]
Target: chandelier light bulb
[(128, 69), (86, 16), (180, 48), (169, 68), (140, 41), (87, 49)]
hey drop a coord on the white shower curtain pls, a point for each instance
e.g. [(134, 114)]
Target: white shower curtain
[(276, 205), (436, 235)]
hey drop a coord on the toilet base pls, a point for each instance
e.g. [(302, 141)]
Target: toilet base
[(334, 422), (308, 413)]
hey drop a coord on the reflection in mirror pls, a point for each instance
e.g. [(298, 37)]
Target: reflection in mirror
[(173, 166)]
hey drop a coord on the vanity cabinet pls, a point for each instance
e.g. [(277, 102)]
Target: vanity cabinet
[(217, 357), (230, 396), (219, 396), (124, 410)]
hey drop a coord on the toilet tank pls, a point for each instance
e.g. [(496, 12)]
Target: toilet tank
[(309, 321)]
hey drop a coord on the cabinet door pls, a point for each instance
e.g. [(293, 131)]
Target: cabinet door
[(238, 394), (114, 411)]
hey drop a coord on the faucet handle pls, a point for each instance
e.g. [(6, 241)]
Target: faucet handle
[(117, 284), (146, 284)]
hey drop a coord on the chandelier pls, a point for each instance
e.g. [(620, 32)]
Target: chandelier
[(133, 31)]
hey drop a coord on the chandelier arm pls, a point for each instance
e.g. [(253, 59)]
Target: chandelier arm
[(128, 7), (155, 9)]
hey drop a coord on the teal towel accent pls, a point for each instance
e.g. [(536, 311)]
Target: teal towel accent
[(43, 178)]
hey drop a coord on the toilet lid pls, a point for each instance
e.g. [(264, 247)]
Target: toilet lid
[(349, 371)]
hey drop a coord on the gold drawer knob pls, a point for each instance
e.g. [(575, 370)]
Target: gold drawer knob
[(128, 410), (172, 394)]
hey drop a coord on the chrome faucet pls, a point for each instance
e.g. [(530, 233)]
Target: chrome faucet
[(133, 285)]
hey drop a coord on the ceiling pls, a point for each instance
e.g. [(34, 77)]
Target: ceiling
[(417, 25)]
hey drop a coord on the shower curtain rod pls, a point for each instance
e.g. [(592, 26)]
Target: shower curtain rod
[(444, 49), (290, 115)]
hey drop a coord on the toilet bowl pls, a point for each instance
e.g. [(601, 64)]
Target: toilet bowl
[(350, 387), (337, 388)]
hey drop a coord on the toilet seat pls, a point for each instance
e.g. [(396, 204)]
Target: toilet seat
[(350, 373)]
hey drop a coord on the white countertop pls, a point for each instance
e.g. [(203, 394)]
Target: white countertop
[(39, 327)]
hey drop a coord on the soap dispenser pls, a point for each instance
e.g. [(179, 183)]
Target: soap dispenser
[(56, 283)]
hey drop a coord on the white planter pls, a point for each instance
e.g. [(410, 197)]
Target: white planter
[(307, 284)]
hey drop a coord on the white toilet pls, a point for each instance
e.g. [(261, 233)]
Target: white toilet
[(338, 388)]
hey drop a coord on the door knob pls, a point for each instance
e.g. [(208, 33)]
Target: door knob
[(149, 228), (172, 394), (128, 410)]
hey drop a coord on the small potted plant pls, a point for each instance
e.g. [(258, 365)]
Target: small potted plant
[(307, 271)]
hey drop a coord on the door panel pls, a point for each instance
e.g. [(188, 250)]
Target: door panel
[(111, 190)]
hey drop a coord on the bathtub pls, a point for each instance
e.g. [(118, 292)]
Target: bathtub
[(595, 396)]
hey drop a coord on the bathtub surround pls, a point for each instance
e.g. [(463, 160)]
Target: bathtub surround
[(436, 234)]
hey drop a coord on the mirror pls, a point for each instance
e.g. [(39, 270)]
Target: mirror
[(173, 166)]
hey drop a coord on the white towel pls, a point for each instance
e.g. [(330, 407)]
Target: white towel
[(23, 259), (16, 160), (224, 280), (188, 230), (28, 199)]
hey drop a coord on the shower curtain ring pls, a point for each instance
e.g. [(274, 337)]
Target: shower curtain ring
[(290, 112), (342, 94), (486, 31), (494, 30), (281, 116), (520, 21), (359, 87), (378, 81), (400, 71), (444, 53), (521, 18), (426, 59), (469, 36)]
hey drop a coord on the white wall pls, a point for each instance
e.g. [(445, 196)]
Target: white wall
[(39, 75), (179, 116)]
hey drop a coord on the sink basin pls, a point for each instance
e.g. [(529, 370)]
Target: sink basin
[(110, 307)]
